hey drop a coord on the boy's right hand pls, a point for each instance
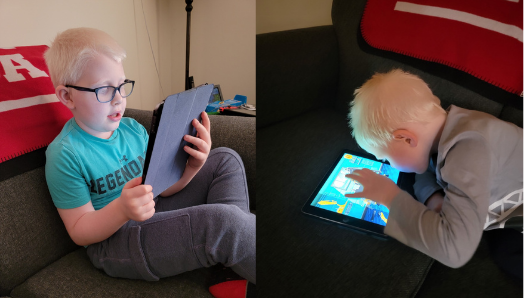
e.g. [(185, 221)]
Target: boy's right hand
[(377, 188), (136, 200)]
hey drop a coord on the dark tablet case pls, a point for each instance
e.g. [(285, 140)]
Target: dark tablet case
[(168, 159)]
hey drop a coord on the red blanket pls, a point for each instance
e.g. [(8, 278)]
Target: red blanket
[(480, 37), (30, 114)]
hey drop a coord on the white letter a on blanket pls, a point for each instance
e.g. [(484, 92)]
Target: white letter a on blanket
[(10, 70)]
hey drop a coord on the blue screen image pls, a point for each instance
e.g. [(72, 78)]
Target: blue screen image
[(331, 195), (215, 96)]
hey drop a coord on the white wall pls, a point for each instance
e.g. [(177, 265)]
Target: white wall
[(223, 36), (280, 15), (224, 25)]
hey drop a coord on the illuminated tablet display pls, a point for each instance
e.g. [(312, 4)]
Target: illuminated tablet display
[(331, 195)]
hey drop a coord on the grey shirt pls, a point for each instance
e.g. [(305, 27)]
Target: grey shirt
[(479, 168)]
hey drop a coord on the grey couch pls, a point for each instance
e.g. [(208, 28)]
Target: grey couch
[(305, 81), (38, 259)]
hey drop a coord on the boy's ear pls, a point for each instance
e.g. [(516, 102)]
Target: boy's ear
[(63, 94), (406, 136)]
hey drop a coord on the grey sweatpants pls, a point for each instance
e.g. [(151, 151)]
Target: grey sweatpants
[(206, 223)]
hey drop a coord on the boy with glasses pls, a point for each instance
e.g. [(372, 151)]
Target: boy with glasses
[(94, 168)]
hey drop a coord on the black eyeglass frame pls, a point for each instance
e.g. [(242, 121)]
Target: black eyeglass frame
[(114, 90)]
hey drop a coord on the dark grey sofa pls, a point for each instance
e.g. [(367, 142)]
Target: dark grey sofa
[(38, 259), (305, 81)]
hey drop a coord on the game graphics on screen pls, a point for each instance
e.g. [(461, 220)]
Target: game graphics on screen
[(331, 195)]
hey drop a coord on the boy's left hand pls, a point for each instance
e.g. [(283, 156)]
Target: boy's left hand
[(376, 187), (201, 143)]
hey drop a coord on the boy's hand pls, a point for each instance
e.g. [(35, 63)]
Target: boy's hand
[(197, 155), (136, 200), (376, 187), (434, 202), (201, 143)]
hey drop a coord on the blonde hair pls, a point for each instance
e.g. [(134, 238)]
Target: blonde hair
[(387, 101), (73, 49)]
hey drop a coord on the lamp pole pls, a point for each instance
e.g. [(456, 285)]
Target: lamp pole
[(189, 80)]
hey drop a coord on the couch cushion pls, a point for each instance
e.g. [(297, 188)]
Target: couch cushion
[(239, 134), (297, 71), (74, 276), (32, 233), (303, 257), (512, 115), (141, 116), (480, 277)]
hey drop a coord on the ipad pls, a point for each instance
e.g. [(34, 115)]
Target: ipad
[(165, 157), (359, 214)]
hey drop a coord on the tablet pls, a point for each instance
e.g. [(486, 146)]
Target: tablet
[(359, 214), (165, 156)]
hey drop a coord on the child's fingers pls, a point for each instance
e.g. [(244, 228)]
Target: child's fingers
[(361, 194), (354, 195), (147, 211), (195, 153), (202, 131), (147, 202), (206, 122), (354, 177), (133, 182), (148, 215), (140, 191), (150, 203), (201, 144)]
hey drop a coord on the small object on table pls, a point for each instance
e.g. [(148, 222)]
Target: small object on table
[(248, 107), (236, 102), (227, 108)]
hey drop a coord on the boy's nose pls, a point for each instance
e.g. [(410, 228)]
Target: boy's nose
[(117, 99)]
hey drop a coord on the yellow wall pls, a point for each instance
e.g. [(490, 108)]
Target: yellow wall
[(223, 39), (280, 15)]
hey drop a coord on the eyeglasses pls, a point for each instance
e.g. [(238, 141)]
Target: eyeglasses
[(107, 93)]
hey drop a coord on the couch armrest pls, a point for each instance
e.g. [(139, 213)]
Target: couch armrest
[(237, 133), (297, 71)]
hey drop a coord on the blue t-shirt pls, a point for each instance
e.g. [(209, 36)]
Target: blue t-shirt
[(82, 168)]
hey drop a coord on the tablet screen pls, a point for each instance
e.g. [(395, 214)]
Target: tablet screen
[(331, 195)]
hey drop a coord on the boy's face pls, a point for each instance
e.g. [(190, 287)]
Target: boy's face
[(403, 157), (95, 118)]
